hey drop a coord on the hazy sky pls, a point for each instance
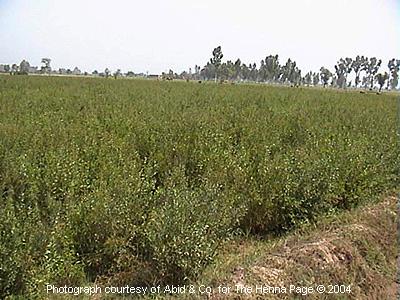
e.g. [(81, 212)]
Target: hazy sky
[(155, 35)]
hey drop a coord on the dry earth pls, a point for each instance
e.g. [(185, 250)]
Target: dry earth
[(359, 248)]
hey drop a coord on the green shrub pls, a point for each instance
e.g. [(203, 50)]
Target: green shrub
[(99, 178)]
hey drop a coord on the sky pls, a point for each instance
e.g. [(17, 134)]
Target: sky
[(157, 35)]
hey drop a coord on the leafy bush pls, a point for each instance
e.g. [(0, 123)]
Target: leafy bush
[(100, 178)]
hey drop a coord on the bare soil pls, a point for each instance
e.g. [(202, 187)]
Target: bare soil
[(357, 248)]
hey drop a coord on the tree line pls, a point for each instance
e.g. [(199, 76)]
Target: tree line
[(270, 70)]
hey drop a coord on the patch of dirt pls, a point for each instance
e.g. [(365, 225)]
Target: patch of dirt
[(359, 249)]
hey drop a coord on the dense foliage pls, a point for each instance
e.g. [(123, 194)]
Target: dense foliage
[(103, 177)]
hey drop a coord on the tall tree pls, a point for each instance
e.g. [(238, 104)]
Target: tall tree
[(227, 70), (46, 65), (253, 72), (286, 71), (24, 67), (325, 75), (117, 73), (381, 78), (14, 69), (245, 72), (238, 68), (208, 71), (308, 78), (358, 65), (372, 68), (347, 65), (197, 70), (107, 72), (216, 60), (342, 69), (273, 70), (295, 77), (290, 73), (340, 79), (315, 79), (394, 67)]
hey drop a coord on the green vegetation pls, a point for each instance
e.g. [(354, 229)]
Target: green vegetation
[(141, 181)]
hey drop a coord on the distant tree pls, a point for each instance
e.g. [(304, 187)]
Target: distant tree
[(216, 60), (371, 70), (340, 79), (7, 68), (296, 77), (46, 69), (253, 72), (245, 72), (290, 73), (95, 73), (14, 69), (262, 75), (272, 68), (348, 62), (228, 70), (197, 70), (342, 69), (208, 72), (117, 73), (184, 75), (308, 78), (358, 65), (286, 71), (107, 72), (24, 67), (325, 75), (394, 67), (381, 78), (171, 74), (315, 79), (130, 74), (238, 68)]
